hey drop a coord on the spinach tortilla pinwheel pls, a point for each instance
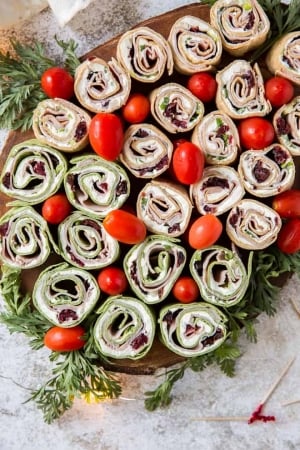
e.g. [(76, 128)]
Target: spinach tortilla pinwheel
[(252, 225), (267, 172), (147, 151), (65, 295), (101, 86), (84, 242), (25, 240), (175, 108), (240, 90), (221, 275), (125, 328), (217, 136), (193, 329), (153, 266), (196, 46), (32, 172), (164, 207), (61, 124), (286, 123), (96, 186), (283, 58), (242, 24), (219, 189), (145, 54)]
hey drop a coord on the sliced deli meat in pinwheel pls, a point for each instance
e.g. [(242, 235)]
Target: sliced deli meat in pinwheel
[(242, 24), (61, 124), (217, 136), (164, 207), (219, 189), (267, 172), (32, 172), (65, 295), (253, 225), (125, 328), (284, 57), (196, 46), (101, 86), (175, 108), (286, 123), (153, 266), (147, 151), (96, 186), (193, 329), (221, 275), (240, 91), (85, 243), (145, 54)]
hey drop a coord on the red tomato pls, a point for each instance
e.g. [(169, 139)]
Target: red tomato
[(64, 339), (203, 85), (186, 290), (287, 203), (106, 135), (112, 280), (288, 240), (205, 231), (125, 227), (136, 109), (279, 91), (256, 133), (188, 163), (56, 208), (57, 82), (178, 142)]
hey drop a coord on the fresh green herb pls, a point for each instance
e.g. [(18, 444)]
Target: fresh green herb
[(164, 103)]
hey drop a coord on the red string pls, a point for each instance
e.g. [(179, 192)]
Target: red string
[(256, 415)]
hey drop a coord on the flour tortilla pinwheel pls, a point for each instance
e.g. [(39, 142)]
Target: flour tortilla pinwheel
[(286, 123), (284, 57), (125, 328)]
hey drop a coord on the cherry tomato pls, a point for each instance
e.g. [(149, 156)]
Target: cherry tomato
[(256, 133), (112, 280), (56, 208), (136, 109), (205, 231), (57, 82), (188, 163), (288, 240), (203, 85), (287, 203), (106, 135), (64, 339), (186, 290), (279, 91), (125, 227)]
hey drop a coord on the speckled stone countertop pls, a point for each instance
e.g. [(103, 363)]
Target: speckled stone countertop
[(124, 424)]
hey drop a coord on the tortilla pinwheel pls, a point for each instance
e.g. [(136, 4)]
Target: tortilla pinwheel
[(286, 123)]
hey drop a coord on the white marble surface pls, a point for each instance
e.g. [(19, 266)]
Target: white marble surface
[(125, 424)]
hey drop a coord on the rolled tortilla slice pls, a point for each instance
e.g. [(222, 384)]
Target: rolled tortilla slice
[(240, 91), (101, 86), (61, 124), (193, 329), (25, 240), (217, 136), (221, 275), (284, 57), (164, 207), (145, 54), (267, 172), (153, 266), (286, 123), (95, 186), (65, 295), (32, 172), (147, 151), (253, 225), (219, 189), (196, 46), (175, 108), (125, 328), (243, 25), (85, 243)]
